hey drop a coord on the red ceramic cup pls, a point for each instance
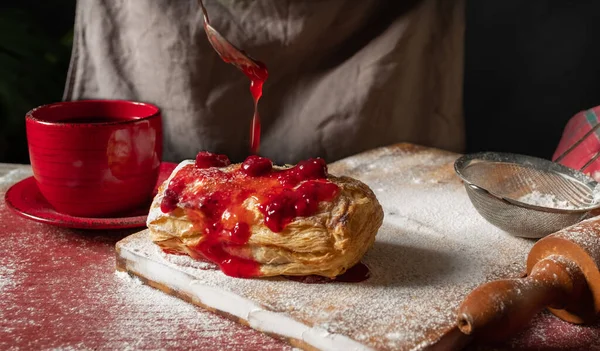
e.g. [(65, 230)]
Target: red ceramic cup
[(95, 158)]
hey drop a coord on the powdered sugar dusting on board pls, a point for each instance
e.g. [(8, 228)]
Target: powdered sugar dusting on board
[(186, 261), (431, 251)]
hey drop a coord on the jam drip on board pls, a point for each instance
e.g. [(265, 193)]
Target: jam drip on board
[(214, 199)]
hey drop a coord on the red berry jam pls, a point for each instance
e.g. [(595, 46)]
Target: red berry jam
[(170, 200), (257, 166), (206, 159), (314, 168), (213, 199), (283, 205)]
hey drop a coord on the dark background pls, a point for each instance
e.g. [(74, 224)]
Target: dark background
[(35, 47), (529, 66)]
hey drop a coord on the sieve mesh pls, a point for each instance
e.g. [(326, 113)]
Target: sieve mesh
[(496, 181)]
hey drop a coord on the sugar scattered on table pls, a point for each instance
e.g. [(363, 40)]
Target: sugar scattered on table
[(6, 277)]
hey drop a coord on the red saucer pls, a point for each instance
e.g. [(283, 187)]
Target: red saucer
[(25, 199)]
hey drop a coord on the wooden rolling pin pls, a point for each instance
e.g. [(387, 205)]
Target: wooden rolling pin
[(562, 274)]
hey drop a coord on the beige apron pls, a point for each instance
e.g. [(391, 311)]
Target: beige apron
[(345, 75)]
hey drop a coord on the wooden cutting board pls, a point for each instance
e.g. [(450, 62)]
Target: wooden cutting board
[(431, 251)]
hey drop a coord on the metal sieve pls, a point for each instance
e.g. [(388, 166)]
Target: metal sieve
[(497, 182)]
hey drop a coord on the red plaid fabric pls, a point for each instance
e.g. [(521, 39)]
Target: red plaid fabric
[(575, 129)]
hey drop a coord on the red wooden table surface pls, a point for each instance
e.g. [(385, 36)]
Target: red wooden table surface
[(59, 290)]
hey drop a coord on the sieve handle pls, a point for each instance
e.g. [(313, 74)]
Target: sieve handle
[(496, 310)]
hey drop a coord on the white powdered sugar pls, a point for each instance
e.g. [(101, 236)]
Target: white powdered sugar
[(10, 174), (586, 235), (596, 190), (137, 298), (538, 198), (184, 261), (6, 278), (431, 251)]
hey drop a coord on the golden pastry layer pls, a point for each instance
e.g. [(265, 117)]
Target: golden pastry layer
[(325, 243)]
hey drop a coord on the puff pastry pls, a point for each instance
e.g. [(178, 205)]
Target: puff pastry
[(255, 219)]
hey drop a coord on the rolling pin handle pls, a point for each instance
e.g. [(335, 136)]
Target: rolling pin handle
[(499, 309)]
